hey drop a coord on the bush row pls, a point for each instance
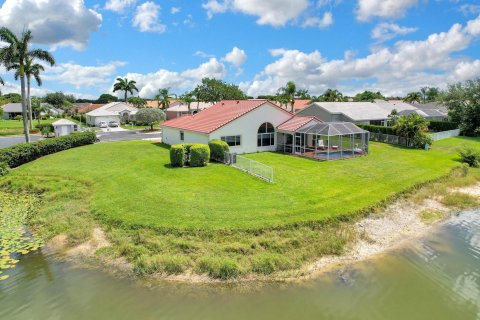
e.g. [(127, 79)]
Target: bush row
[(438, 126), (195, 155), (22, 153), (378, 129), (218, 149)]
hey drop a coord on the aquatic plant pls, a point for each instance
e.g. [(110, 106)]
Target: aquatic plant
[(15, 240)]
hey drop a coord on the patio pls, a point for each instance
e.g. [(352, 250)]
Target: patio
[(312, 138)]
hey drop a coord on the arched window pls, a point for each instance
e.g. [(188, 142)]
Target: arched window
[(266, 135)]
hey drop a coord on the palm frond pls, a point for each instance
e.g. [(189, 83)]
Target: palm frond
[(42, 55)]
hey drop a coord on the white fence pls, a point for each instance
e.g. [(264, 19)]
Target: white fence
[(445, 134), (250, 166)]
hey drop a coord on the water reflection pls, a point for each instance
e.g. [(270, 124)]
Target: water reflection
[(437, 278)]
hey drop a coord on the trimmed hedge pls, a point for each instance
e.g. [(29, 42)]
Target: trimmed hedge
[(439, 126), (218, 149), (378, 129), (199, 155), (177, 155), (22, 153)]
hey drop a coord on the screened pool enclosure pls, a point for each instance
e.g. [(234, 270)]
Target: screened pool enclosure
[(310, 137)]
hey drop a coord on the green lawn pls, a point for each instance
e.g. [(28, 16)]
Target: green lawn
[(15, 127), (131, 183)]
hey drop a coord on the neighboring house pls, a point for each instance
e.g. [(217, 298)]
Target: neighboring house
[(64, 127), (433, 110), (83, 108), (180, 109), (119, 112), (11, 110), (375, 113), (298, 105), (246, 125)]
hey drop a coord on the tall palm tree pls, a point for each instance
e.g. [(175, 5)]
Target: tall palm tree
[(14, 56), (423, 91), (31, 69), (290, 90), (413, 97), (123, 84), (332, 96)]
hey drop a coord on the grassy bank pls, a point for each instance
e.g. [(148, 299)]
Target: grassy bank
[(218, 220)]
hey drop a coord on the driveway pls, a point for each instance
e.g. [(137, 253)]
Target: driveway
[(127, 135), (10, 141), (117, 129)]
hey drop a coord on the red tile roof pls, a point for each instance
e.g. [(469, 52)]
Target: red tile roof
[(88, 108), (217, 116), (296, 122), (300, 104)]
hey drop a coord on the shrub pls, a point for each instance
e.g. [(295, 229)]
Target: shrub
[(438, 126), (378, 129), (177, 155), (18, 118), (46, 131), (4, 169), (40, 126), (470, 156), (22, 153), (199, 155), (218, 149)]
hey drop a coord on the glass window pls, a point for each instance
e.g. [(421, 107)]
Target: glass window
[(232, 141), (266, 135), (182, 136)]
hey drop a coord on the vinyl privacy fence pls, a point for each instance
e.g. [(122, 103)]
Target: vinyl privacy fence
[(445, 134)]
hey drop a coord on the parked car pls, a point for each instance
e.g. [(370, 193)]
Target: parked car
[(102, 124), (113, 124)]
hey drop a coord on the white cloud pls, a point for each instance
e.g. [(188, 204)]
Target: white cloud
[(387, 31), (394, 70), (175, 10), (473, 27), (276, 13), (56, 23), (236, 57), (469, 9), (119, 5), (325, 21), (393, 9), (148, 84), (203, 54), (83, 76), (147, 18)]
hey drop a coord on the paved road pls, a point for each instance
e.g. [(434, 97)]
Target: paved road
[(126, 135), (10, 141)]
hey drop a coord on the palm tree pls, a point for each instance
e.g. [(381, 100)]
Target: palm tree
[(413, 97), (424, 91), (163, 97), (332, 96), (2, 83), (31, 69), (125, 85), (290, 90), (188, 98), (14, 56)]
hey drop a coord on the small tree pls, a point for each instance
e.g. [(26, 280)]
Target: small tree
[(137, 102), (413, 128), (149, 116)]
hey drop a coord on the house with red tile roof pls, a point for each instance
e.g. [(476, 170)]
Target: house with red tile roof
[(246, 125)]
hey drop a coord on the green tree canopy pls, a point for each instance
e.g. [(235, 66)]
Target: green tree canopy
[(413, 97), (12, 97), (149, 116), (331, 95), (368, 96), (59, 100), (463, 102), (106, 98), (137, 102), (213, 90), (413, 128)]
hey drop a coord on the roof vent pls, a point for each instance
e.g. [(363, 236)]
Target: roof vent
[(238, 101)]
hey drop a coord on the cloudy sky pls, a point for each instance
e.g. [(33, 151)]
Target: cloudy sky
[(394, 46)]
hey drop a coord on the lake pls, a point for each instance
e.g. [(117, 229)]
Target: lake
[(434, 278)]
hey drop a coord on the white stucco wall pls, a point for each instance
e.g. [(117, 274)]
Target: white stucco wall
[(247, 127), (172, 136), (63, 130), (95, 121)]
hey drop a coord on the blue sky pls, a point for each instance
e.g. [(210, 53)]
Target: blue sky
[(394, 46)]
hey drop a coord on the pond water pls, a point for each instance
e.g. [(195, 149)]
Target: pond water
[(437, 278)]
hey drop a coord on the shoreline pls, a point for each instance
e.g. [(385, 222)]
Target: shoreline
[(397, 225)]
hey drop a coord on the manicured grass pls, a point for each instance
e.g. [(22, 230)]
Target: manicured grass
[(218, 220), (15, 127), (133, 184)]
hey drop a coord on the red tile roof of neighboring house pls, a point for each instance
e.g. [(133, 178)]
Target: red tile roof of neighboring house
[(217, 116), (296, 122), (300, 104), (90, 107)]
